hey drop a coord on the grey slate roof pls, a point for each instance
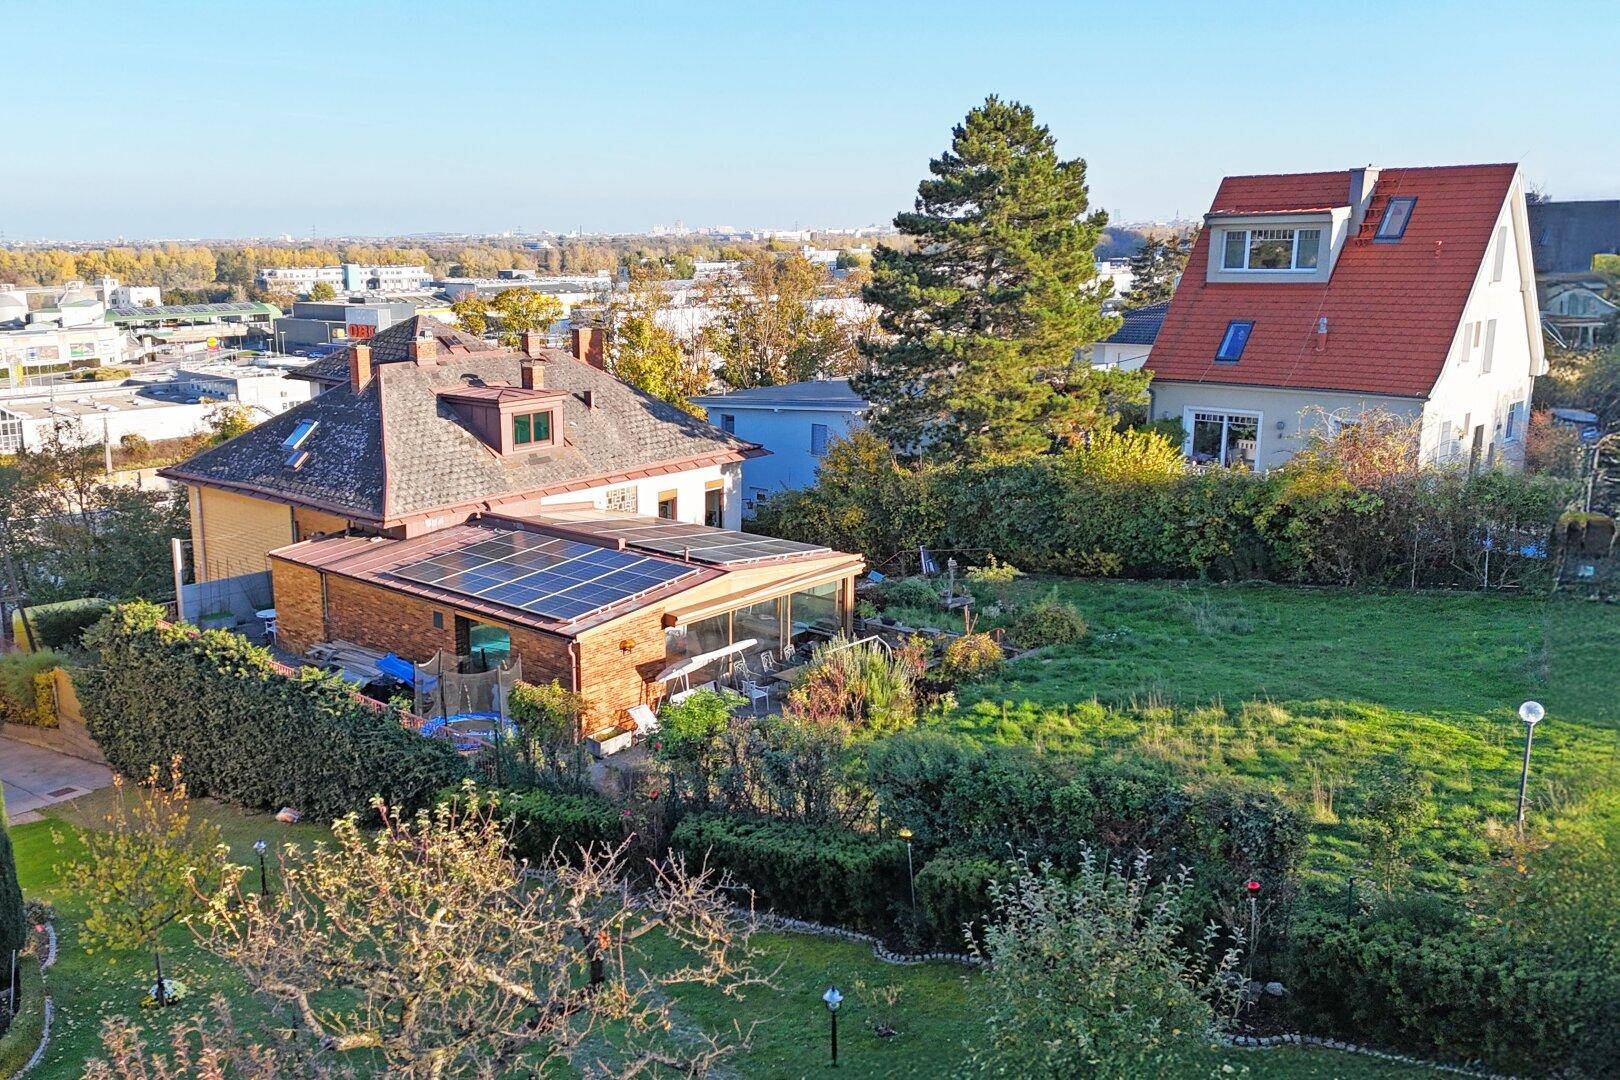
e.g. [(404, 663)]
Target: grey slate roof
[(813, 393), (391, 345), (1565, 235), (1141, 325), (396, 449)]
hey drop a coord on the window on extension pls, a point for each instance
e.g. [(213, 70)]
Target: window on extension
[(1271, 249), (1233, 342), (1397, 212)]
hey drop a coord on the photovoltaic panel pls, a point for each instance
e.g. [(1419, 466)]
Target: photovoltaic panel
[(551, 577), (700, 543)]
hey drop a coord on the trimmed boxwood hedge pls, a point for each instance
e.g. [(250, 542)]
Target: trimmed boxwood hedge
[(828, 875), (250, 733), (954, 893), (541, 819), (1454, 992)]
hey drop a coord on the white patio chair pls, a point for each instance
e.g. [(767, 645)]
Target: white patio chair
[(755, 693)]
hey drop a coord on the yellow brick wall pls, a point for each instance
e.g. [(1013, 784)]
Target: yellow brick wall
[(231, 533), (300, 622), (313, 523)]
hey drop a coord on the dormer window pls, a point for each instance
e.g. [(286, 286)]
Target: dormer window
[(1233, 341), (1272, 249), (1397, 212), (531, 428)]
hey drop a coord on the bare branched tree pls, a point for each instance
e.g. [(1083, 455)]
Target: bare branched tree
[(426, 946)]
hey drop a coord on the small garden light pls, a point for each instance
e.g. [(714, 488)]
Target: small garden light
[(833, 999), (1532, 713), (1252, 889), (261, 847)]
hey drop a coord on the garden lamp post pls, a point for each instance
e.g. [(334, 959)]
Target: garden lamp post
[(1252, 888), (259, 848), (1531, 713), (911, 869), (833, 999)]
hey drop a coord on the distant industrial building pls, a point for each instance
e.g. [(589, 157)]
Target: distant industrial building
[(236, 323), (42, 349), (168, 408), (323, 322), (349, 277)]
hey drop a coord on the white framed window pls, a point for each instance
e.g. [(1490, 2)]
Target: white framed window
[(1271, 249), (11, 432), (1224, 438), (1490, 348), (1500, 265), (1515, 425)]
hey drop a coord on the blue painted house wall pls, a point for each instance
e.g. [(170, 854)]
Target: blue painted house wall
[(795, 423)]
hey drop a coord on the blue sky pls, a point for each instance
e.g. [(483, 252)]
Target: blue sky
[(345, 117)]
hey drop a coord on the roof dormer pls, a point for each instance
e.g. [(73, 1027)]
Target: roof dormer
[(509, 419), (1295, 246)]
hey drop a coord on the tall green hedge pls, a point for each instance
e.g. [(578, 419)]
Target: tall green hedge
[(13, 923), (249, 733), (828, 875), (1052, 514), (1454, 992), (543, 820)]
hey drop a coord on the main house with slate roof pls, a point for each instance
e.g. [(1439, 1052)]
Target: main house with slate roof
[(1312, 298), (443, 494)]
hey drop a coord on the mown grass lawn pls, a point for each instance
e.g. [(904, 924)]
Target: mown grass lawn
[(1303, 688), (786, 1023)]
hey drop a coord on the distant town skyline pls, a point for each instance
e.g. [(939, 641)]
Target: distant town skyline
[(368, 119)]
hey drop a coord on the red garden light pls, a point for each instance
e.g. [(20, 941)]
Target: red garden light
[(1252, 887)]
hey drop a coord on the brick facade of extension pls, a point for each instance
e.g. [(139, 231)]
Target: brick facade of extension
[(389, 621), (615, 677), (300, 622)]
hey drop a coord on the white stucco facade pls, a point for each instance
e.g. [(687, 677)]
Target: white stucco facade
[(692, 491)]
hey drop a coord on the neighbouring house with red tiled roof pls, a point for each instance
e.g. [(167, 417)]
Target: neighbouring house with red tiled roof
[(1311, 298)]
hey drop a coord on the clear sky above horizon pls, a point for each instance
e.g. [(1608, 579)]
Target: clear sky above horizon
[(168, 119)]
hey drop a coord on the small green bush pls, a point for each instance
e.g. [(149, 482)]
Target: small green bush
[(61, 625), (970, 658), (909, 592), (828, 875), (994, 572), (1047, 623), (19, 687), (953, 898), (543, 821)]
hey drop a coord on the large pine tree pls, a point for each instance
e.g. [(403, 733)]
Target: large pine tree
[(985, 311)]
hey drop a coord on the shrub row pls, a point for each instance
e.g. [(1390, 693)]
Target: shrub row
[(1055, 514), (828, 875), (1457, 992), (543, 821), (249, 733), (62, 624), (25, 698)]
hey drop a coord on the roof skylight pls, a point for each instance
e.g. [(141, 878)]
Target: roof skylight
[(1233, 341), (1397, 213), (296, 439)]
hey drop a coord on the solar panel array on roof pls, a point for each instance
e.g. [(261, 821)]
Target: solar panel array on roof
[(177, 310), (555, 578), (700, 543)]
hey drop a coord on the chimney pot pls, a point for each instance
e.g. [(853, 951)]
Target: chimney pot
[(360, 367), (533, 342)]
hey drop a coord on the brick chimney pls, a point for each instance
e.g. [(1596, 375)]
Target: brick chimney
[(531, 375), (424, 350), (586, 342), (533, 342), (1362, 182), (360, 370)]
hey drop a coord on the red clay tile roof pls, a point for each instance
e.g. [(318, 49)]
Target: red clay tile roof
[(1393, 309)]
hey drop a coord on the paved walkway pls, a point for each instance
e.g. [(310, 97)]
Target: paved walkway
[(34, 776)]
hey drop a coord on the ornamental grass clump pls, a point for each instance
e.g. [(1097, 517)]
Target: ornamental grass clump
[(871, 688)]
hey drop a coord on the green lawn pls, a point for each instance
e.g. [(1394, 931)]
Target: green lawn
[(1300, 688), (787, 1022)]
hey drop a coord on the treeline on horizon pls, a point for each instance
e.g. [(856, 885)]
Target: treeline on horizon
[(219, 270)]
